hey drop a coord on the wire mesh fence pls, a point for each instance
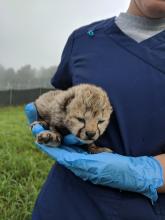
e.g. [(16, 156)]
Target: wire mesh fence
[(19, 97)]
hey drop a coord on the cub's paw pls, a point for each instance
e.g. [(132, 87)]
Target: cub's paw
[(95, 149), (49, 138)]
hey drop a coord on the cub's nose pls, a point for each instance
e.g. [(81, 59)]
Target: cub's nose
[(90, 134)]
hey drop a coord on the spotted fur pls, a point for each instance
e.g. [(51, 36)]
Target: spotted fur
[(82, 109)]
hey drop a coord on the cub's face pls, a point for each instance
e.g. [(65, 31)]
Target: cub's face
[(88, 114)]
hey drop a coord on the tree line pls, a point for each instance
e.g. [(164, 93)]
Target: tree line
[(26, 77)]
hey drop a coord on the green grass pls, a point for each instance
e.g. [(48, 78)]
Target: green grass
[(23, 168)]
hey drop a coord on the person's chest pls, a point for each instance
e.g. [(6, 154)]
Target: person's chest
[(135, 86)]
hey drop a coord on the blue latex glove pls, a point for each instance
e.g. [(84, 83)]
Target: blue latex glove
[(137, 174)]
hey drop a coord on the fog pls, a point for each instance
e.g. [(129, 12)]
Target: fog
[(34, 32)]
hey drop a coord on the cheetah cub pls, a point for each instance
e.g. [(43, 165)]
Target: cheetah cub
[(83, 110)]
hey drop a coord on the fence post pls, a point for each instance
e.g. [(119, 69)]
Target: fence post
[(11, 97)]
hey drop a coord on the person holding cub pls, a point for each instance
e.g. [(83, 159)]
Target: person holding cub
[(125, 56)]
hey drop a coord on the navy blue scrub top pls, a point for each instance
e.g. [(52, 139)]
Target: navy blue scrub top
[(133, 75)]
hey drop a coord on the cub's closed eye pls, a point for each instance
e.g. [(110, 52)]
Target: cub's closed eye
[(100, 121), (80, 119)]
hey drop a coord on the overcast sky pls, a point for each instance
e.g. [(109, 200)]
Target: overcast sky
[(35, 31)]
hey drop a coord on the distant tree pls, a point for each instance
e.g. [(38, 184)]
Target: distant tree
[(45, 76), (26, 77), (7, 77), (2, 76)]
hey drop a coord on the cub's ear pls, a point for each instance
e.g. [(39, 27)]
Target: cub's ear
[(67, 100)]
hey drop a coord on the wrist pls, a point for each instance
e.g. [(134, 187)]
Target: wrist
[(161, 160)]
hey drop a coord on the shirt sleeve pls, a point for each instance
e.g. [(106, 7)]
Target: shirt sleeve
[(62, 78)]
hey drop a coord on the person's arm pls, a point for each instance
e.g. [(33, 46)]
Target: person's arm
[(143, 174), (161, 159)]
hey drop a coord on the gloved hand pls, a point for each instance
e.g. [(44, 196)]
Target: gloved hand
[(137, 174)]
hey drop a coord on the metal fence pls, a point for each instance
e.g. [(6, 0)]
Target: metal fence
[(19, 97)]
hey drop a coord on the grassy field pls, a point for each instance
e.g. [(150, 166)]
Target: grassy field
[(23, 168)]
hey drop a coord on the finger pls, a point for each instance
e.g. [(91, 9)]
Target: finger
[(31, 112), (71, 139), (74, 148), (38, 128), (62, 153)]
